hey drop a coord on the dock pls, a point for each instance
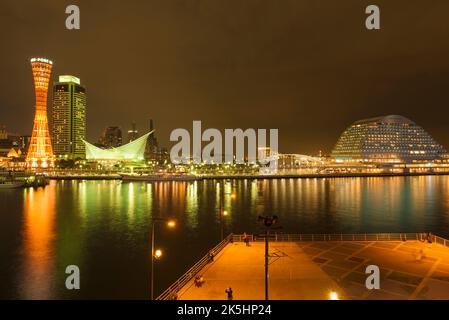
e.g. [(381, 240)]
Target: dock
[(311, 267)]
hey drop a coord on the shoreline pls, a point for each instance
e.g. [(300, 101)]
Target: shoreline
[(243, 177)]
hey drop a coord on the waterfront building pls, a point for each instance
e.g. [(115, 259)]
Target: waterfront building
[(133, 133), (11, 145), (152, 144), (152, 151), (40, 150), (5, 146), (23, 142), (388, 139), (69, 118), (14, 153), (112, 137), (298, 161), (133, 151), (3, 133)]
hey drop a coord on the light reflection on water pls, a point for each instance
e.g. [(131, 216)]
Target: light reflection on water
[(38, 234), (103, 226)]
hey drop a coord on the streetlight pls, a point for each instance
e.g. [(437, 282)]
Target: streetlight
[(158, 253), (171, 223), (268, 222), (333, 295)]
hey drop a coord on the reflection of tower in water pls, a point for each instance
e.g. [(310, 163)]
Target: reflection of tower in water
[(39, 237)]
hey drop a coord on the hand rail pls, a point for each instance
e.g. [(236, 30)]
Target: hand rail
[(171, 292), (295, 237), (441, 241)]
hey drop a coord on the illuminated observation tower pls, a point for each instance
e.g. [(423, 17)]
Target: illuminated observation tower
[(40, 151)]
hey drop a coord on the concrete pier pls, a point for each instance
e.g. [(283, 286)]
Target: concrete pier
[(312, 270)]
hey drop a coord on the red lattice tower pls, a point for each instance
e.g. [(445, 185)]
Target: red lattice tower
[(40, 151)]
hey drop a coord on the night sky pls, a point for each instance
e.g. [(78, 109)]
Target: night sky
[(307, 67)]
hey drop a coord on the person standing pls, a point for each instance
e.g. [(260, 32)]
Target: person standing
[(229, 293), (245, 238)]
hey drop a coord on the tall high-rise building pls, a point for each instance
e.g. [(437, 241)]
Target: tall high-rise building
[(24, 142), (112, 137), (133, 134), (40, 151), (3, 133), (152, 147), (69, 118), (152, 140)]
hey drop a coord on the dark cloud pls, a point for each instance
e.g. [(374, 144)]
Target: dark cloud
[(309, 68)]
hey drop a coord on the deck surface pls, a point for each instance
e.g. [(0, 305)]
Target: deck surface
[(311, 270)]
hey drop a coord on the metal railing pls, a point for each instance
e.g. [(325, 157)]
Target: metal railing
[(171, 292), (345, 237), (441, 241)]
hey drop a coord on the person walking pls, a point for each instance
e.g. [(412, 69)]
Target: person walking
[(229, 293), (211, 256), (245, 239)]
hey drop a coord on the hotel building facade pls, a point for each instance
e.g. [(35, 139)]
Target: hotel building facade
[(388, 139), (69, 118)]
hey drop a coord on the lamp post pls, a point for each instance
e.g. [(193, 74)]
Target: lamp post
[(267, 222), (171, 223)]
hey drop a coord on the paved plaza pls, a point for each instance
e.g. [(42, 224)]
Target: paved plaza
[(312, 270)]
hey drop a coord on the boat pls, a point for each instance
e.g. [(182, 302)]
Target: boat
[(36, 181), (12, 184)]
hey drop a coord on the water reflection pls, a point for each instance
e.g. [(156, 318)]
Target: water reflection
[(103, 226), (191, 205), (38, 243)]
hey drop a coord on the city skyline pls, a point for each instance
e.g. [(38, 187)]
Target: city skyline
[(224, 151), (310, 76), (391, 138)]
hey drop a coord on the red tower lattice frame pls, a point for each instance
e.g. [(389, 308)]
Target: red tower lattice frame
[(40, 150)]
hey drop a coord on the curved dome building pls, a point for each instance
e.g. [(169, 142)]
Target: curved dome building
[(388, 139)]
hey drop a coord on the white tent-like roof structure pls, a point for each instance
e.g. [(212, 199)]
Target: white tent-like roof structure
[(131, 151)]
